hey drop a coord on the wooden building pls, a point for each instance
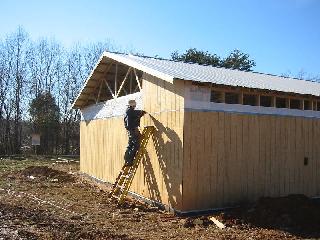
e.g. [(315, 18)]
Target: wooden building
[(223, 136)]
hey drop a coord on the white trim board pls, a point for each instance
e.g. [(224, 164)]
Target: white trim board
[(111, 108), (193, 105)]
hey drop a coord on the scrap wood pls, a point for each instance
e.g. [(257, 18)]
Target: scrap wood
[(217, 223)]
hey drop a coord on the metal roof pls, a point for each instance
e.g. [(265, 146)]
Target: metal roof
[(170, 70)]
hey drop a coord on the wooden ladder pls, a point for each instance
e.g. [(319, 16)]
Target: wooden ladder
[(124, 180)]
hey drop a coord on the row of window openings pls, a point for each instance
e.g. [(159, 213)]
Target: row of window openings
[(264, 101)]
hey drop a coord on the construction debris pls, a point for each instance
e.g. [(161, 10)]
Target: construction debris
[(217, 223), (197, 221), (44, 172), (79, 209)]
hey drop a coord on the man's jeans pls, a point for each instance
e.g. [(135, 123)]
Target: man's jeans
[(133, 145)]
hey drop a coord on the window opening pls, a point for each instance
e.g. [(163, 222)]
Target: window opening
[(249, 99), (295, 104), (281, 102), (307, 105), (231, 98), (216, 96), (266, 101)]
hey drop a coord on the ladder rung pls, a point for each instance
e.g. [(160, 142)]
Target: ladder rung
[(115, 196), (126, 175)]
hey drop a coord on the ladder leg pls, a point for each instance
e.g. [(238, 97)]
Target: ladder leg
[(124, 180)]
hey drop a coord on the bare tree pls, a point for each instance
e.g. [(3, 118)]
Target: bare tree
[(31, 68), (92, 52), (42, 58), (73, 77), (13, 78)]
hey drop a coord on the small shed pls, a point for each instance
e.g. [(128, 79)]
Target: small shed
[(223, 136)]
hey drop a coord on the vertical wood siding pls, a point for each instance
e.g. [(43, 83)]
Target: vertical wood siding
[(204, 160), (159, 177), (232, 158)]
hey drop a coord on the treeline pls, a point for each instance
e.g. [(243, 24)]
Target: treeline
[(42, 69)]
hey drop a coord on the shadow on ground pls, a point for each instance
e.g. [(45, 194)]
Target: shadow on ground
[(295, 214)]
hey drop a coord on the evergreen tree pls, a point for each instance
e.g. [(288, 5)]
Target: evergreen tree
[(45, 118), (236, 59)]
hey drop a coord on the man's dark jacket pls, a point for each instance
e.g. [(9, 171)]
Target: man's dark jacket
[(132, 118)]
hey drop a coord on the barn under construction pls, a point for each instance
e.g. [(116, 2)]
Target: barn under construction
[(222, 136)]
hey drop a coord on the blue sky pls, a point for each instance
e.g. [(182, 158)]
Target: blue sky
[(280, 35)]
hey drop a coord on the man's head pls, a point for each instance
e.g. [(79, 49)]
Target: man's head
[(132, 103)]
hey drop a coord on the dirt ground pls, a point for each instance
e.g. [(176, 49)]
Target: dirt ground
[(49, 199)]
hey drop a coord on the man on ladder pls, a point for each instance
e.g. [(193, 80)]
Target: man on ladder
[(136, 149), (131, 123)]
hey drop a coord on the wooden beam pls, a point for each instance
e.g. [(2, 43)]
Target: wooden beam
[(98, 97), (273, 101), (92, 93), (124, 80), (137, 79), (130, 84), (240, 98), (258, 100), (287, 102), (217, 223), (115, 80), (135, 89), (109, 88)]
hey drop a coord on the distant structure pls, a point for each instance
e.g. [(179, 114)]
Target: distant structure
[(223, 136)]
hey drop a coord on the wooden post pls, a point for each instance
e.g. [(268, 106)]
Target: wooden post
[(223, 97), (287, 102), (130, 85), (98, 97), (258, 100), (240, 98), (115, 81), (273, 101)]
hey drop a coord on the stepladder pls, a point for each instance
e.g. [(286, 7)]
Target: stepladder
[(124, 180)]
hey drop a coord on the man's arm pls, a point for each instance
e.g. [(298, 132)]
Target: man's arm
[(138, 113)]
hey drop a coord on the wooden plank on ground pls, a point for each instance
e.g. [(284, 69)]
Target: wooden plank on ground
[(217, 223)]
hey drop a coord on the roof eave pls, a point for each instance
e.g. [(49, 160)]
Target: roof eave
[(74, 105)]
